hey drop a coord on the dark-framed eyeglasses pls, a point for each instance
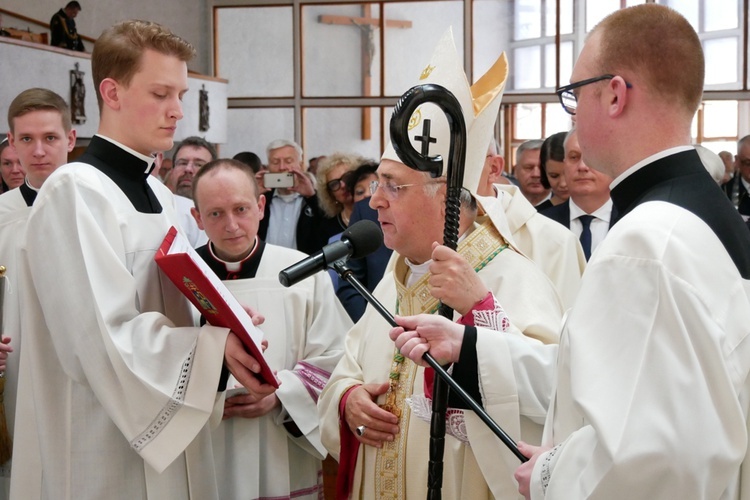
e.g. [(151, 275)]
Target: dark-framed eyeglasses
[(335, 184), (569, 99)]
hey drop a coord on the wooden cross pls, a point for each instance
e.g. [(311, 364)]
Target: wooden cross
[(367, 24)]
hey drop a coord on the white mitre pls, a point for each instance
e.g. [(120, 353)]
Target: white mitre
[(479, 102)]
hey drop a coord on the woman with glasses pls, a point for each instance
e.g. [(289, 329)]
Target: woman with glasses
[(333, 196)]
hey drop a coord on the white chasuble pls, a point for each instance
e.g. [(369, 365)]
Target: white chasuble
[(305, 327), (121, 383), (479, 469)]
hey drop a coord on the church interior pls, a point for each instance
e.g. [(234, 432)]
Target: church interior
[(326, 74)]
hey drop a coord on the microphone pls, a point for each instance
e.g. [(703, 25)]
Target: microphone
[(360, 239)]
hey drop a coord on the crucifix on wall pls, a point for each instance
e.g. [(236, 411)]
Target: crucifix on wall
[(367, 26)]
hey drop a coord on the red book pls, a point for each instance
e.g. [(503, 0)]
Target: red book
[(192, 276)]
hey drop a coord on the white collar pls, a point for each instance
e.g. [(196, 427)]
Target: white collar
[(603, 213)]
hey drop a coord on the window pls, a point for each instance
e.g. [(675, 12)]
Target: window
[(327, 73)]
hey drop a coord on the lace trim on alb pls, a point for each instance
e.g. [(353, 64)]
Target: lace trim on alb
[(494, 319), (170, 409), (547, 467), (455, 420)]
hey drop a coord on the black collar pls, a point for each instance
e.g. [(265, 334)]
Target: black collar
[(126, 170), (29, 195), (681, 179)]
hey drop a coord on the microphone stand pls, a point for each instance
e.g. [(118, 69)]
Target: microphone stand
[(346, 274)]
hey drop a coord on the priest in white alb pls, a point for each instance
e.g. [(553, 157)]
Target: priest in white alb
[(268, 448)]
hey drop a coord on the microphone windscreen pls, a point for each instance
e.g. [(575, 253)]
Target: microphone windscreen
[(364, 236)]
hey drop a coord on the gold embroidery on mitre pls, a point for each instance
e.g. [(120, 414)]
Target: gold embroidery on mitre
[(426, 72), (416, 119), (478, 248), (492, 83)]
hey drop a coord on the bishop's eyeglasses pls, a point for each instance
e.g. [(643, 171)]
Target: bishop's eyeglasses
[(569, 99), (391, 190)]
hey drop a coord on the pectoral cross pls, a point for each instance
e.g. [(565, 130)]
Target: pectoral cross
[(367, 25)]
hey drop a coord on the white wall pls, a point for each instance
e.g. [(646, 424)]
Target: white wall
[(188, 18), (28, 66)]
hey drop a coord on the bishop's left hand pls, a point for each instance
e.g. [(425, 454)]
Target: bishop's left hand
[(453, 281)]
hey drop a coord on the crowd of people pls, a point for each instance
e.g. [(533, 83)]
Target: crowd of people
[(599, 290)]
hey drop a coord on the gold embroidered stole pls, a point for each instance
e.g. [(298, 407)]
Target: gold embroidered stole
[(478, 248)]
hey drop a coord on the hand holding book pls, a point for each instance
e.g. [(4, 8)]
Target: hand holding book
[(192, 276)]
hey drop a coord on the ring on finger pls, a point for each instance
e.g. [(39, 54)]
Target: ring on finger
[(361, 430)]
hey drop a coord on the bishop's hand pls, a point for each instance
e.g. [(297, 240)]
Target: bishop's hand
[(453, 281), (370, 423)]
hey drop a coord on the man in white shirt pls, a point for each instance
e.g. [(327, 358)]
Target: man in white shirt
[(589, 212)]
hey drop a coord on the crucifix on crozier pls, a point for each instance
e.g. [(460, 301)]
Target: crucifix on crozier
[(367, 26)]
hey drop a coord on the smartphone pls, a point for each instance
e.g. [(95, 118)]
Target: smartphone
[(280, 180)]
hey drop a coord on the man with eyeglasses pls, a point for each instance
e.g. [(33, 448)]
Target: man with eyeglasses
[(653, 369), (375, 410), (192, 153), (293, 217)]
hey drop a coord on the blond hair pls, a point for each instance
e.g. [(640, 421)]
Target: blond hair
[(118, 51), (327, 202)]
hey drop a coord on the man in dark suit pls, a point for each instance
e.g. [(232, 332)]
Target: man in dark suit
[(588, 212), (292, 217), (737, 187)]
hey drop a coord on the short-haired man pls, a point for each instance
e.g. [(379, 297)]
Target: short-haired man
[(553, 248), (653, 368), (63, 28), (189, 157), (528, 172), (588, 212), (738, 187), (42, 135), (268, 448), (293, 218), (192, 153), (380, 438), (120, 383)]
